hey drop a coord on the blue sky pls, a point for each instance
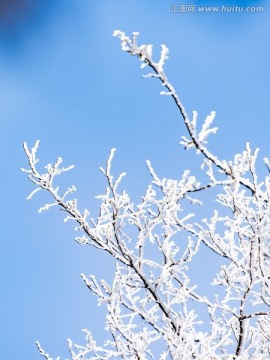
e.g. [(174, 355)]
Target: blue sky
[(65, 81)]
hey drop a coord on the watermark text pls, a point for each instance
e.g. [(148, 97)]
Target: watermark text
[(186, 8)]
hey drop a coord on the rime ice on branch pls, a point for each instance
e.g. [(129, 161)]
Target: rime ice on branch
[(154, 308), (197, 140)]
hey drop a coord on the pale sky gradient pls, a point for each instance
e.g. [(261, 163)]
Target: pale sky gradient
[(65, 81)]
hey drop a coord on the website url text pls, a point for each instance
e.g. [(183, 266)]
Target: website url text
[(184, 8)]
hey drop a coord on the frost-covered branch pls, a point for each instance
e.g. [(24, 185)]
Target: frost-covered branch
[(196, 139), (43, 353), (159, 304)]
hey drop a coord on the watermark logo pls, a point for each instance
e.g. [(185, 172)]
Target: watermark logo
[(182, 8), (186, 8)]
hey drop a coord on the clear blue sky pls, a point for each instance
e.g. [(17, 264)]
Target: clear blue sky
[(65, 81)]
